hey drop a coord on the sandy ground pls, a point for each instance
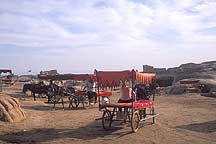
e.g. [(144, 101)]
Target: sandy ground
[(183, 119)]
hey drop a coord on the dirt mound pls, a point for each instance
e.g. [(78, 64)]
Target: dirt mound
[(198, 71), (167, 77), (209, 94), (175, 90), (10, 109)]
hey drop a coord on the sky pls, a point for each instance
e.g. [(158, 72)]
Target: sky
[(78, 36)]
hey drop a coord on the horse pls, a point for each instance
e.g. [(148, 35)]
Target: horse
[(26, 87), (54, 92), (35, 89)]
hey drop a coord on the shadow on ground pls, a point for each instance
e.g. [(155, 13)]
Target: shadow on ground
[(206, 127), (89, 132), (50, 108), (20, 95)]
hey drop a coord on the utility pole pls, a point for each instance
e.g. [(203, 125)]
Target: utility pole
[(0, 83)]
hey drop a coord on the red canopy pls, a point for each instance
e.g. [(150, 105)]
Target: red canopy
[(145, 78), (79, 77), (114, 78)]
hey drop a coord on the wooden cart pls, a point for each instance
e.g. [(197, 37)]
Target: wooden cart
[(76, 97)]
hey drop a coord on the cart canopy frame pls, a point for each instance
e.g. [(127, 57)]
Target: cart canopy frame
[(115, 78)]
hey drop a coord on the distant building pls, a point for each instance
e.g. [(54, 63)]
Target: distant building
[(5, 71), (151, 69), (163, 79), (147, 68), (50, 72)]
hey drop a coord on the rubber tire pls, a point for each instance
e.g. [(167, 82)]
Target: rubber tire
[(135, 121), (153, 112)]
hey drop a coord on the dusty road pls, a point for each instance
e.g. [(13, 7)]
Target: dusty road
[(183, 119)]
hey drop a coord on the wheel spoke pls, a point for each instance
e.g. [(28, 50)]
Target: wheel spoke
[(106, 120)]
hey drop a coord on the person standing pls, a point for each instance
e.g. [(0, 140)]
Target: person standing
[(90, 92)]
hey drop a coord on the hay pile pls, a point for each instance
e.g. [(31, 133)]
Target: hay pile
[(10, 109)]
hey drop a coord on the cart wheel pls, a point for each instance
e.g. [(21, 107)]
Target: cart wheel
[(106, 120), (135, 120), (152, 113), (85, 102), (52, 98), (74, 103)]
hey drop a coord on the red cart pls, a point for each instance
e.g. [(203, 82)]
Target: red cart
[(133, 112)]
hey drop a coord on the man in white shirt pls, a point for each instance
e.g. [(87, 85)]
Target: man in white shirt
[(92, 95)]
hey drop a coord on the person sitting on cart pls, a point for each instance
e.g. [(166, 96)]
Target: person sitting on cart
[(125, 94), (126, 97)]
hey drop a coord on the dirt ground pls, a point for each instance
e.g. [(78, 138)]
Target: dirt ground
[(183, 119)]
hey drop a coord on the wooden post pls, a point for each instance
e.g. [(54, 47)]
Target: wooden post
[(154, 87), (133, 96), (98, 89), (0, 83)]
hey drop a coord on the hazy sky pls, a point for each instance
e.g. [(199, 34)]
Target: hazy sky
[(78, 36)]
